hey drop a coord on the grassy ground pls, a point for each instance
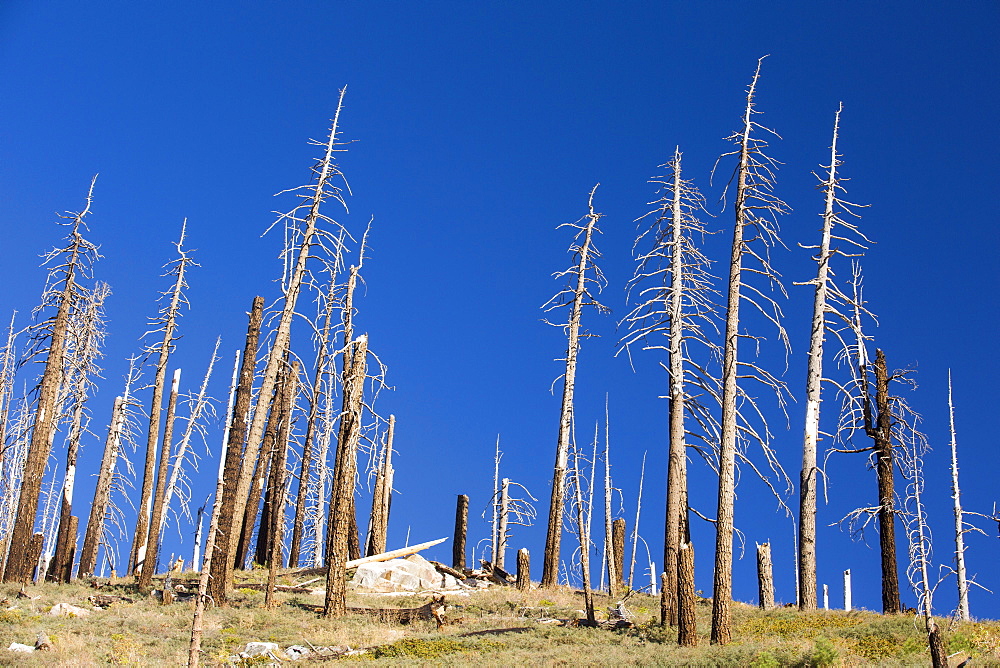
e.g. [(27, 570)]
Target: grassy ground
[(493, 627)]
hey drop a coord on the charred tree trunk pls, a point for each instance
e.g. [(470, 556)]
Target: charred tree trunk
[(523, 569), (342, 496), (618, 556), (148, 565), (74, 258), (382, 498), (687, 623), (102, 494), (225, 545), (881, 433), (274, 501), (260, 471), (168, 322), (461, 528)]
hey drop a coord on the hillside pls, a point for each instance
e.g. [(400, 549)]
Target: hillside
[(498, 626)]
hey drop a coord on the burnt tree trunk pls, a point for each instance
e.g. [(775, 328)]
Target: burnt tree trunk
[(618, 556), (156, 517), (881, 433), (274, 499), (260, 471), (222, 563), (687, 623), (381, 500), (342, 496), (523, 569), (102, 494), (461, 528)]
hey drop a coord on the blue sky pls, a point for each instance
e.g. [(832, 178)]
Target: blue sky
[(480, 127)]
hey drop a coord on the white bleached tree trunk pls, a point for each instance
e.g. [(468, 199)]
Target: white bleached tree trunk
[(956, 496), (582, 273)]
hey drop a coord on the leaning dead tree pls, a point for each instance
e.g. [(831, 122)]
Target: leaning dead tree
[(85, 339), (914, 446), (836, 230), (676, 314), (306, 225), (100, 508), (226, 520), (582, 276), (165, 323), (70, 264), (755, 232)]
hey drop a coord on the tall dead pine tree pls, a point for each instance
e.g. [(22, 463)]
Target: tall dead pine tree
[(86, 337), (582, 275), (165, 322), (674, 290), (304, 223), (835, 229), (755, 208), (74, 261)]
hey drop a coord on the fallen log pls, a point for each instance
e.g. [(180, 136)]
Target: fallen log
[(393, 554)]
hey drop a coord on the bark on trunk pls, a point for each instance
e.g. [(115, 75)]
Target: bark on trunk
[(499, 558), (220, 583), (148, 565), (461, 527), (19, 562), (618, 556), (341, 506), (523, 569), (142, 527), (765, 577), (886, 488), (687, 623), (102, 494), (382, 498), (260, 471)]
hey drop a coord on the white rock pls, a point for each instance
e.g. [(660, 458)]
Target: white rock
[(260, 648), (67, 610), (296, 652), (18, 647)]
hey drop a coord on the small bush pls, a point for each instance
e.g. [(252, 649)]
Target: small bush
[(418, 648), (823, 653)]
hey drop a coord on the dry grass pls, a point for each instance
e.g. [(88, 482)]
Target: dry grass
[(489, 627)]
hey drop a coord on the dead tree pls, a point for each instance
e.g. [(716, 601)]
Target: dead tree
[(315, 421), (754, 234), (109, 461), (582, 526), (676, 314), (274, 500), (165, 323), (635, 527), (199, 407), (307, 238), (583, 274), (461, 529), (765, 577), (85, 339), (222, 564), (687, 623), (260, 471), (194, 647), (962, 612), (914, 446), (382, 497), (345, 471), (74, 262), (835, 229)]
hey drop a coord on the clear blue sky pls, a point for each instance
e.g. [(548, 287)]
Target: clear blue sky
[(479, 128)]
